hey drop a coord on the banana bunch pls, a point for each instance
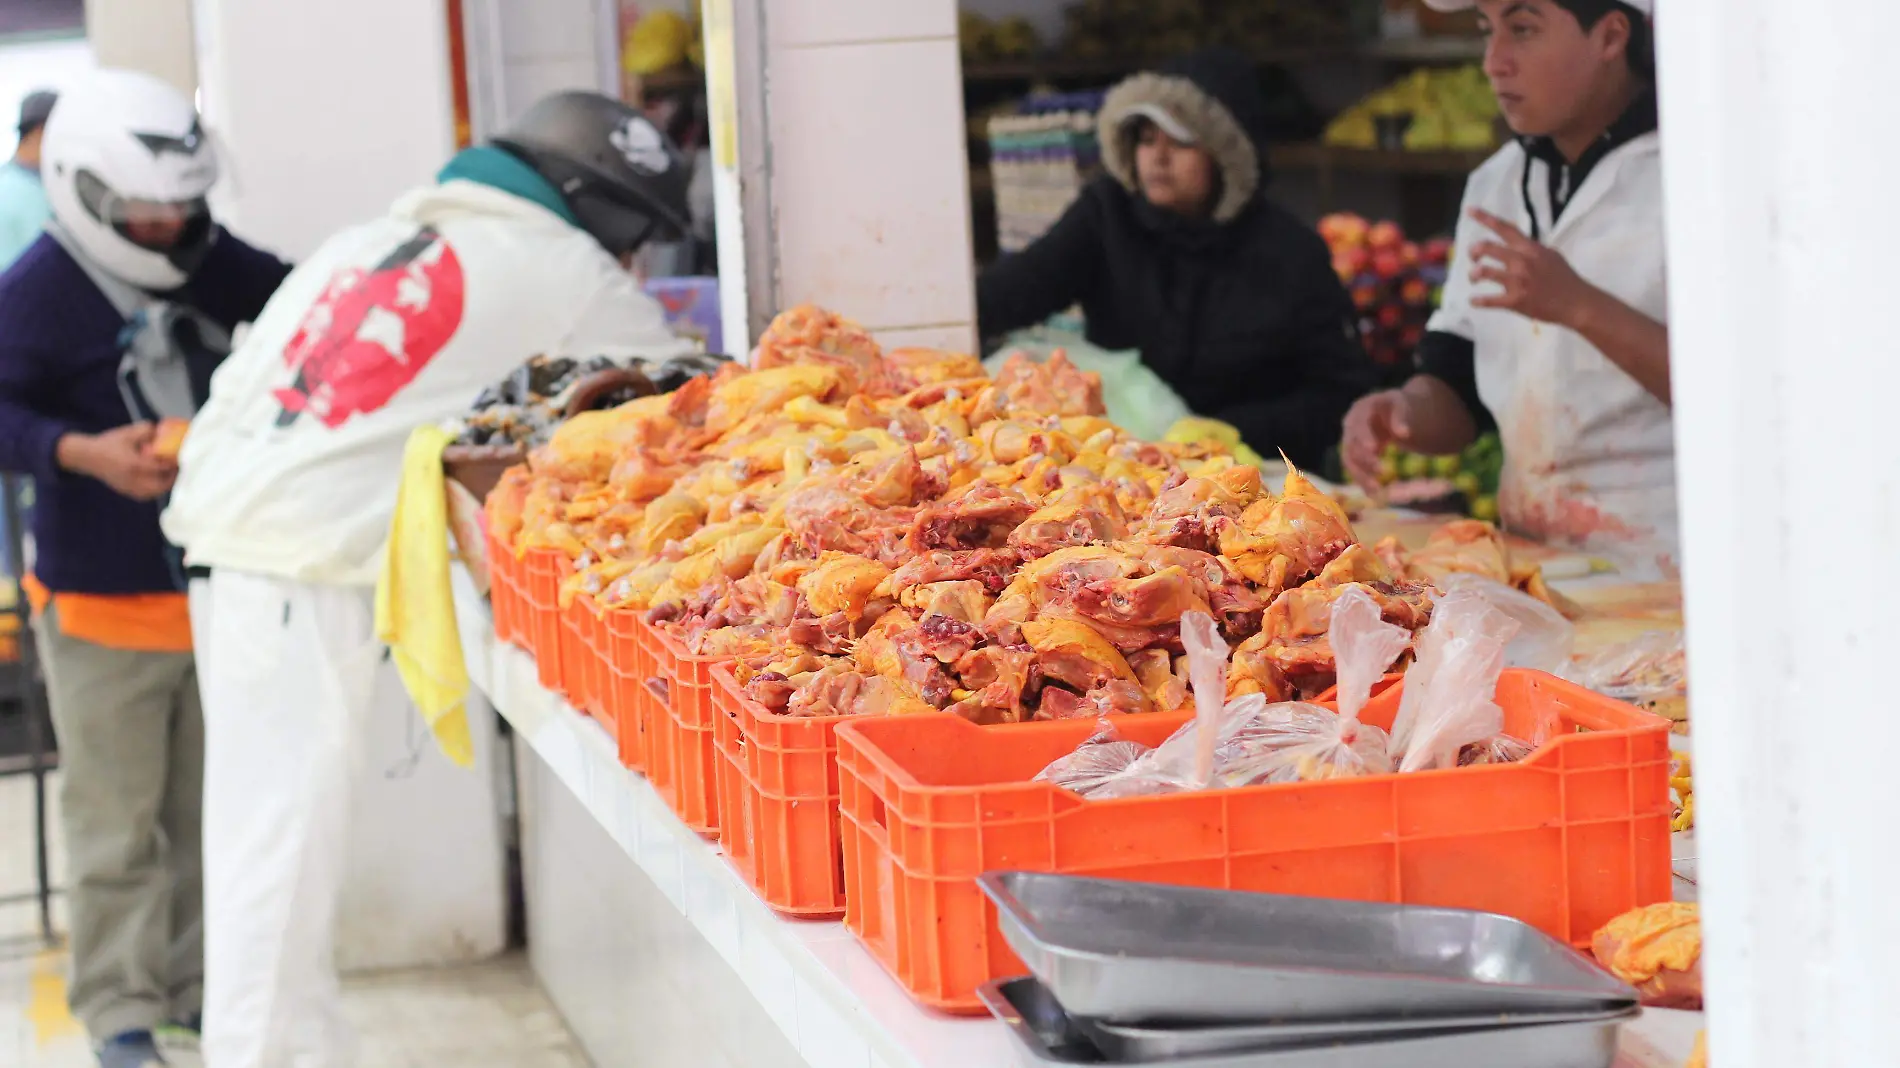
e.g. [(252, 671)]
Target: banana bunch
[(1451, 109)]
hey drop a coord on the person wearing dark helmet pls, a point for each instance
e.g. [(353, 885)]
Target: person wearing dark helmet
[(1177, 252), (1554, 323), (288, 481)]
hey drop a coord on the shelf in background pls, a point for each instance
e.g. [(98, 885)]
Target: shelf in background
[(1075, 68), (685, 76), (1319, 157)]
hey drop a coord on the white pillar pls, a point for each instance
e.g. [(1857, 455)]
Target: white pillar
[(848, 176), (153, 36), (1776, 128), (324, 111)]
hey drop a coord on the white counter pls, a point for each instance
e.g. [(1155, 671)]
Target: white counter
[(836, 1006)]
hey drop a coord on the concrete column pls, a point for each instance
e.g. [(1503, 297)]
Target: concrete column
[(850, 182), (1780, 248), (154, 36), (324, 111)]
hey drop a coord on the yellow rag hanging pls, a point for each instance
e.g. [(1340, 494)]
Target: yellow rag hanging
[(415, 607)]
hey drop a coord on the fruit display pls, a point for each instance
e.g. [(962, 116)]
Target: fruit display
[(1395, 282), (1467, 482), (871, 532), (982, 39), (1431, 109), (1141, 29)]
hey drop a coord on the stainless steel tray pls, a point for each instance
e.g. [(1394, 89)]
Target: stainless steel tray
[(1140, 953), (1047, 1036), (1129, 1042)]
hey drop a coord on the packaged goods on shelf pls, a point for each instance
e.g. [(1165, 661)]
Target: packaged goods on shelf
[(1040, 158)]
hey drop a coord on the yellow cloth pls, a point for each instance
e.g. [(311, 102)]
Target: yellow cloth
[(1194, 430), (415, 607)]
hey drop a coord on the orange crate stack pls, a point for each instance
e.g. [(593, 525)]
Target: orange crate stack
[(504, 590), (691, 791), (626, 681), (651, 704), (1566, 840), (778, 801), (577, 655), (544, 569)]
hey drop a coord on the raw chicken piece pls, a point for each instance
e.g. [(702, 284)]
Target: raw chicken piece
[(894, 649), (838, 690), (915, 368), (842, 583), (1658, 950), (995, 679), (809, 335), (1075, 655), (1054, 386), (1471, 547), (765, 391), (1079, 515), (1304, 527), (965, 601), (982, 518), (991, 567), (1154, 669)]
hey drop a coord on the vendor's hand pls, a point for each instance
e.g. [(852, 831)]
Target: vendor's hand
[(1537, 281), (1377, 420), (121, 458)]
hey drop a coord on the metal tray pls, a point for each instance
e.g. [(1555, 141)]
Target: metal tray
[(1127, 1042), (1046, 1036), (1141, 954)]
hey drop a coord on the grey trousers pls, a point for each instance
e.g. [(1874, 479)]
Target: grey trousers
[(131, 742)]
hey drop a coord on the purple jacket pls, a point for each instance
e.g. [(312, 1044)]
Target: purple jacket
[(59, 364)]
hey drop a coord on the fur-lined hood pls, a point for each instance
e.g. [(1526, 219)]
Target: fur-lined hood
[(1216, 95)]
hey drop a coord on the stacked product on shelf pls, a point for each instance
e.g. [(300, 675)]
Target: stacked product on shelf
[(1040, 158), (1431, 109), (844, 607)]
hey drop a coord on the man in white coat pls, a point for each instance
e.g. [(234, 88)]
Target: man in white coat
[(1553, 323), (288, 482)]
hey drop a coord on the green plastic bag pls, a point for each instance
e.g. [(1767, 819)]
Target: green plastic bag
[(1138, 400)]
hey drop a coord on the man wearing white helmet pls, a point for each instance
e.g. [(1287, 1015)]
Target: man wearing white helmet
[(110, 323), (1554, 321), (288, 488)]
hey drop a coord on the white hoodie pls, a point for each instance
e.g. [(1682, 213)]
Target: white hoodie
[(291, 468)]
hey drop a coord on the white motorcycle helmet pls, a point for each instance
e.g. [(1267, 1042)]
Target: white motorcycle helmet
[(127, 167)]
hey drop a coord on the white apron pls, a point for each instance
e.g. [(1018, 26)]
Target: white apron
[(1589, 454)]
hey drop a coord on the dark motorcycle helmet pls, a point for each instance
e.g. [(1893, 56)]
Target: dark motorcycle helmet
[(620, 175)]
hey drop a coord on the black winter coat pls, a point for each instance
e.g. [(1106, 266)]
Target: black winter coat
[(1246, 319)]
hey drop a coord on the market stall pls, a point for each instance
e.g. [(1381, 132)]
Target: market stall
[(814, 609)]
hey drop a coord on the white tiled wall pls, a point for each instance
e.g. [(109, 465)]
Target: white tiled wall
[(870, 182), (547, 46)]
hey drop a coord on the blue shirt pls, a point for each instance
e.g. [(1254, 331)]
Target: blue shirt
[(59, 373), (23, 211)]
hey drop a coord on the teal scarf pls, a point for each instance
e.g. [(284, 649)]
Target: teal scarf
[(500, 169)]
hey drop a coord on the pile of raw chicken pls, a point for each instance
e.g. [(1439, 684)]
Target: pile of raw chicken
[(883, 533)]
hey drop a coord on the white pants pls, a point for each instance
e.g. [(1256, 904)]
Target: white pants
[(287, 671)]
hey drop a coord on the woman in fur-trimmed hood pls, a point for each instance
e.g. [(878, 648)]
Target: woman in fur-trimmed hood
[(1176, 252)]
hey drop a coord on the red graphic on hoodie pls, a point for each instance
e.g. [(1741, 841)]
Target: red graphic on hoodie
[(372, 331)]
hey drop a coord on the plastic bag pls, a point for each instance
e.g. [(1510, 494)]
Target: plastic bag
[(1544, 637), (1101, 759), (1649, 668), (1449, 699), (1138, 400)]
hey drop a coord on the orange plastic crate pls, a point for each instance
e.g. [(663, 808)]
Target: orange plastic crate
[(1566, 840), (578, 659), (504, 589), (544, 569), (778, 801), (691, 791), (656, 721), (625, 681)]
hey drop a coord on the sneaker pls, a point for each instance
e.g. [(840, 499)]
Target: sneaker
[(130, 1049), (178, 1041)]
